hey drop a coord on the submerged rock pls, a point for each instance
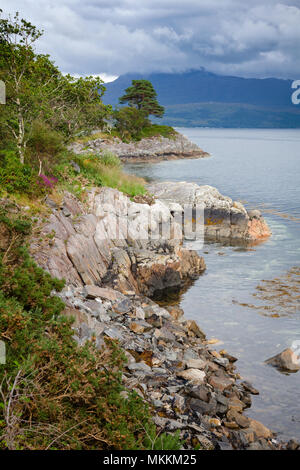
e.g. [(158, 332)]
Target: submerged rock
[(286, 361)]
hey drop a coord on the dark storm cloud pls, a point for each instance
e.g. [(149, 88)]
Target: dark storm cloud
[(119, 36)]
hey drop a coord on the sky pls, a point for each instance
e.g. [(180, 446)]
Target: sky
[(259, 38)]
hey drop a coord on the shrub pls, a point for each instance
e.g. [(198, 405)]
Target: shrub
[(15, 177), (53, 393), (109, 159)]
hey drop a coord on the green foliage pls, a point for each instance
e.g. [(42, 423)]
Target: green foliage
[(142, 96), (103, 169), (38, 92), (129, 122), (155, 130), (53, 393), (163, 441), (44, 145), (14, 176), (109, 159)]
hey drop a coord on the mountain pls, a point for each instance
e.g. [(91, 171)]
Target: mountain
[(202, 98)]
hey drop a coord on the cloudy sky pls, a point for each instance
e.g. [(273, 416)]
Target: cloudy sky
[(111, 37)]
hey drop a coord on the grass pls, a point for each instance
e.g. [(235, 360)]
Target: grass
[(103, 169)]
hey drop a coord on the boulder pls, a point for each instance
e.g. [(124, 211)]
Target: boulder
[(223, 218), (286, 361)]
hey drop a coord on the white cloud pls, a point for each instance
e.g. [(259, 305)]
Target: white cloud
[(119, 36)]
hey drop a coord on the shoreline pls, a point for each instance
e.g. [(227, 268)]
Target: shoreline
[(191, 387)]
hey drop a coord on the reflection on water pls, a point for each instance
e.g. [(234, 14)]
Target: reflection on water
[(262, 168)]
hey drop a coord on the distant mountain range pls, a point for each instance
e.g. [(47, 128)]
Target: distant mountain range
[(201, 98)]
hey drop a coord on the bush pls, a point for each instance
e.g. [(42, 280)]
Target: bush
[(53, 393), (104, 169), (109, 159), (15, 177), (129, 122)]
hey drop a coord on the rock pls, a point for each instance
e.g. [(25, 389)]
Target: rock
[(223, 218), (200, 392), (259, 429), (286, 361), (92, 292), (164, 335), (221, 383), (139, 366), (192, 326), (195, 364), (192, 375), (249, 388), (136, 328), (150, 149), (240, 419), (175, 311), (122, 307), (293, 445)]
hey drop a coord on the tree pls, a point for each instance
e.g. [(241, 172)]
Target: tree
[(129, 122), (16, 39), (36, 91), (142, 96)]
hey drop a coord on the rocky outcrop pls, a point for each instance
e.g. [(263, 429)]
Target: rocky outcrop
[(151, 149), (114, 253), (191, 387), (111, 240), (224, 219)]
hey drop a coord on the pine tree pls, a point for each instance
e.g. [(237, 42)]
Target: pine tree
[(142, 96)]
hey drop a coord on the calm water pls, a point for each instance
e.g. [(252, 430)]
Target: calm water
[(261, 168)]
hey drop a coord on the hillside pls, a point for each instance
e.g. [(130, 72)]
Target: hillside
[(202, 98)]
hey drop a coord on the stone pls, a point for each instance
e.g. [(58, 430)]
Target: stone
[(139, 366), (164, 335), (259, 429), (221, 383), (200, 392), (293, 445), (286, 361), (122, 307), (240, 419), (175, 311), (92, 292), (136, 328), (196, 364), (193, 375), (249, 388), (192, 326)]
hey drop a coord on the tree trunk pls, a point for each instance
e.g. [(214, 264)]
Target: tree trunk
[(20, 137)]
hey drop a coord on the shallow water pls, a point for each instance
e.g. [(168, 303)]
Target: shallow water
[(237, 300)]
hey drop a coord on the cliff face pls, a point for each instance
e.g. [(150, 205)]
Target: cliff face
[(107, 242), (146, 150)]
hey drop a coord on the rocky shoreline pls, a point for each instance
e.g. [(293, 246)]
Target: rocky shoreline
[(192, 388), (150, 150)]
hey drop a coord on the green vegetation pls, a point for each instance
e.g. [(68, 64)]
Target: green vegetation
[(132, 122), (44, 111), (53, 393), (142, 96)]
